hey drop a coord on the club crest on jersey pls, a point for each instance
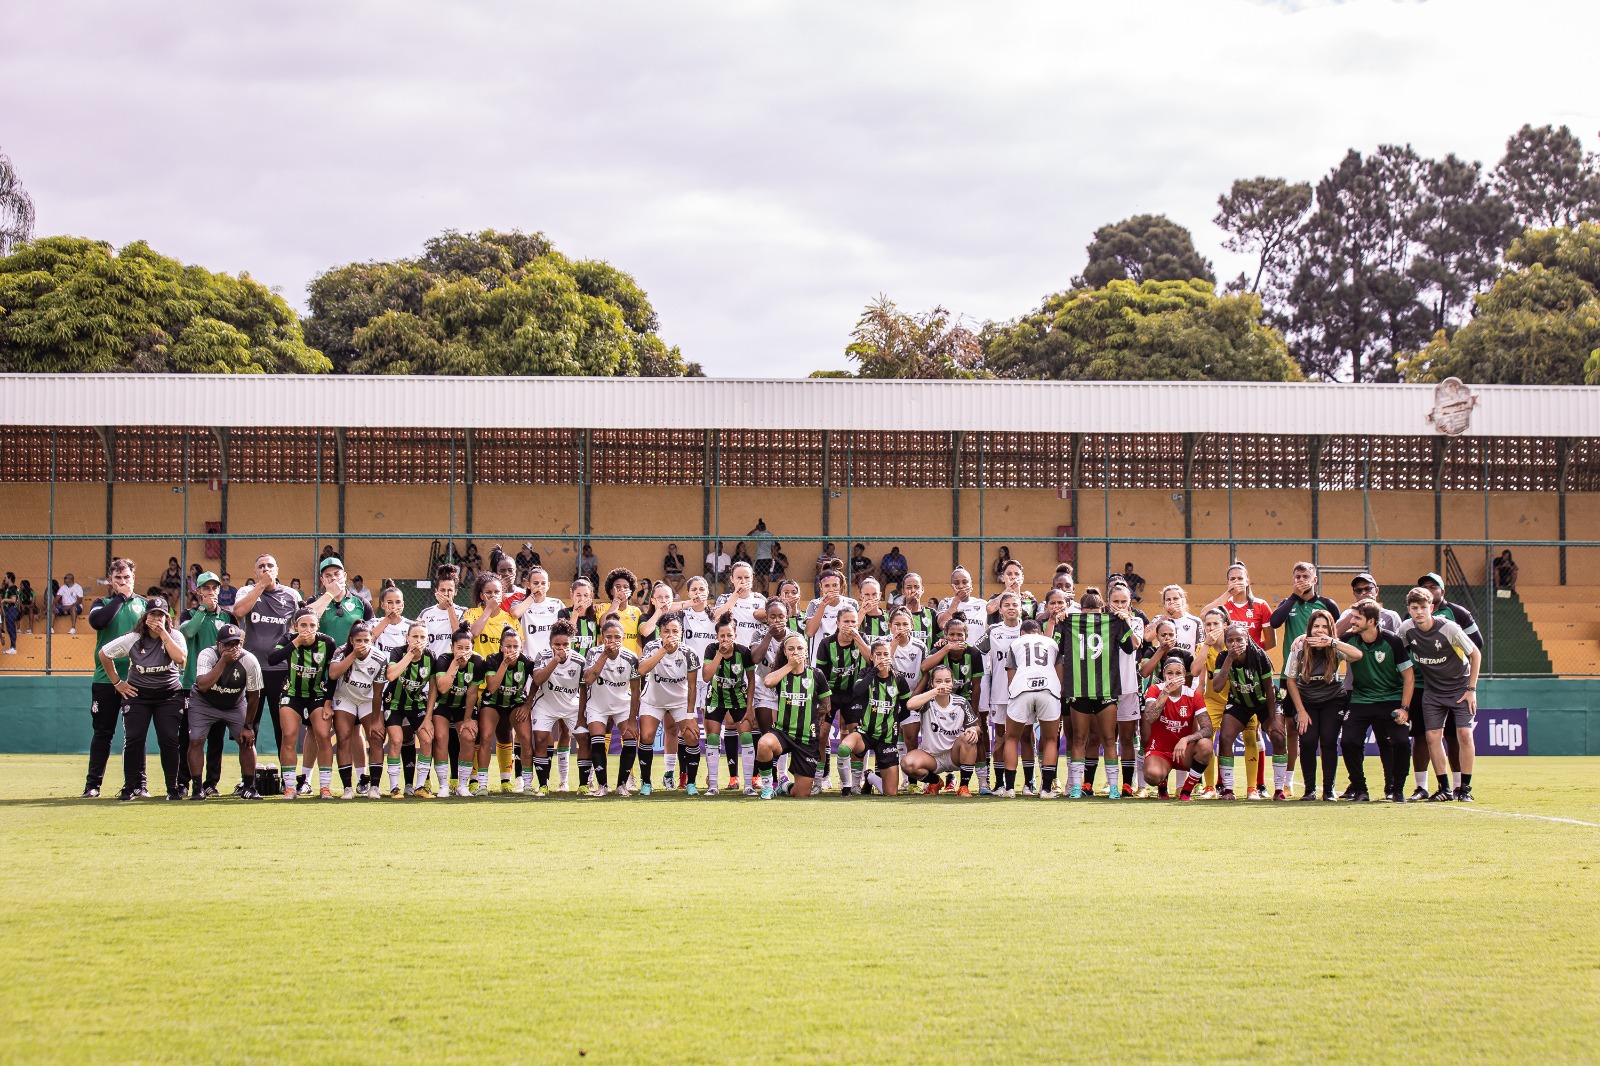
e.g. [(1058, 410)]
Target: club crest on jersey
[(1380, 655)]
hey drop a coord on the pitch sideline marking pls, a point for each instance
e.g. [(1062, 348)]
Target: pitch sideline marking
[(1516, 814)]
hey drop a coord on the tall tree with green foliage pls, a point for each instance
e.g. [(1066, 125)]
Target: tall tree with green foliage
[(16, 208), (71, 305), (1154, 331), (1143, 248), (1464, 227), (890, 343), (1262, 218), (489, 303), (1548, 179), (1538, 325)]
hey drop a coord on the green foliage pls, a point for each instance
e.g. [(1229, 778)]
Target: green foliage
[(1262, 218), (68, 304), (1143, 248), (1548, 179), (16, 208), (890, 343), (1538, 325), (1155, 331), (489, 303)]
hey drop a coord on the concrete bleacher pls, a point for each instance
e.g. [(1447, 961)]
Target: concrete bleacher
[(1566, 619)]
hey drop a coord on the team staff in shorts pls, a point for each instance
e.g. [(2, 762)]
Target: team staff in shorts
[(199, 627), (1447, 662), (227, 692)]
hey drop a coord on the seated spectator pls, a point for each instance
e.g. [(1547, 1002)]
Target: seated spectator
[(28, 602), (827, 560), (191, 586), (359, 587), (860, 565), (1135, 582), (69, 601), (589, 566), (780, 563), (1505, 571), (740, 555), (1002, 557), (171, 583), (893, 568), (10, 611), (328, 552), (527, 558), (717, 562), (672, 568)]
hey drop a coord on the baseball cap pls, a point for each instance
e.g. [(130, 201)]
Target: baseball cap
[(332, 560), (227, 633), (1359, 578), (1435, 578), (206, 578), (156, 603)]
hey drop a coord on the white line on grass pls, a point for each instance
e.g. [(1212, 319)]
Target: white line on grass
[(1515, 814)]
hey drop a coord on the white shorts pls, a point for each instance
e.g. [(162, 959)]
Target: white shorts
[(1129, 707), (1031, 708), (546, 715), (678, 713), (944, 761), (352, 708), (616, 718)]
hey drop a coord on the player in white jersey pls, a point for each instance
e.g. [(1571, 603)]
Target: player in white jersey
[(907, 653), (537, 611), (767, 654), (822, 613), (672, 671), (1033, 673), (557, 681), (746, 608), (964, 603), (357, 679), (610, 698), (389, 629), (699, 628), (1130, 712), (1189, 631), (997, 691), (948, 738), (442, 617)]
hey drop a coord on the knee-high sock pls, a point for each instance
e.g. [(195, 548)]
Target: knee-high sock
[(630, 752), (747, 754), (691, 762), (598, 757), (647, 760)]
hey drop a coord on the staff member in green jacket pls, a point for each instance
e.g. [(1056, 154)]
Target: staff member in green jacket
[(111, 617), (199, 628)]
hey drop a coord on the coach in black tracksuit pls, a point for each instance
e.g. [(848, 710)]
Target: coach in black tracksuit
[(152, 692)]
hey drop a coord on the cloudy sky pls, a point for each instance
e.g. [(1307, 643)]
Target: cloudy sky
[(762, 168)]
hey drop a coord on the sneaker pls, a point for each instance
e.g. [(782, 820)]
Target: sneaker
[(1115, 793), (963, 792), (1310, 796), (411, 790), (1049, 794), (540, 791), (305, 787), (1349, 793), (691, 789), (1185, 797), (478, 791), (1127, 790), (669, 781), (823, 786), (732, 785), (1088, 792), (72, 629), (250, 794), (177, 795), (505, 786), (751, 790), (711, 790), (1464, 794), (144, 793), (517, 787), (1419, 794), (1076, 793), (127, 797), (1226, 794), (349, 794), (1256, 794), (1029, 790), (1007, 793), (1444, 795), (985, 790), (11, 651), (595, 792), (1397, 796), (238, 790), (397, 793), (1359, 797), (326, 794), (645, 789), (1279, 795), (288, 793), (766, 792), (423, 793), (934, 788), (1208, 793), (91, 792), (463, 790)]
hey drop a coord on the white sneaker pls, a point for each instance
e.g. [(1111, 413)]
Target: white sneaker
[(1006, 793), (348, 794), (1049, 794), (72, 629), (623, 790), (464, 790), (11, 651), (517, 787), (597, 792)]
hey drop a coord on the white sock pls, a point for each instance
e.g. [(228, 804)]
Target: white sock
[(325, 777), (846, 777), (1113, 776), (747, 760), (395, 769), (527, 777), (464, 772), (1280, 776), (1455, 779), (1074, 775), (561, 766), (1421, 777), (483, 778), (1225, 775), (672, 763), (875, 780), (713, 758)]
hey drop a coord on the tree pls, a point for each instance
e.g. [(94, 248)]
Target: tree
[(890, 343), (1154, 331), (16, 208), (1464, 228), (489, 303), (1143, 248), (68, 304), (1548, 179), (1538, 325), (1262, 218)]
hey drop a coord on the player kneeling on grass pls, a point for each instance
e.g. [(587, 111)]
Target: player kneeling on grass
[(948, 738), (1033, 675), (227, 687), (506, 675), (557, 677), (803, 701), (1180, 730), (1246, 673), (357, 678), (880, 699), (408, 697), (610, 698), (670, 666)]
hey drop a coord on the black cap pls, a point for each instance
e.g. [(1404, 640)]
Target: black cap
[(156, 603), (1359, 578), (227, 633)]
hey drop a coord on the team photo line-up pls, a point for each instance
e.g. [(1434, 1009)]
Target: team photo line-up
[(857, 694)]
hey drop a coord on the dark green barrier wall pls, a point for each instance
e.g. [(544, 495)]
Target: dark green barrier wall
[(51, 714)]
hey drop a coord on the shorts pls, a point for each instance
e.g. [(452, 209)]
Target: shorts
[(1244, 714), (1129, 707), (802, 759), (678, 713), (763, 567), (1440, 711), (1087, 704), (202, 716), (884, 753), (351, 708), (303, 706), (734, 715), (943, 761), (1416, 720), (613, 718), (1178, 758), (545, 717), (850, 714), (406, 720), (1032, 707), (453, 715)]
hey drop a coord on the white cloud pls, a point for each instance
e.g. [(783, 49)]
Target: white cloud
[(763, 169)]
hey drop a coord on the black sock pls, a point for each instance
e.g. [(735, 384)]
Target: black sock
[(1466, 780), (598, 756), (691, 762), (1027, 774), (541, 770), (375, 774), (647, 762), (966, 775), (730, 748), (630, 752), (585, 769), (763, 766), (1444, 782), (516, 759), (408, 762), (1008, 779), (1089, 768), (344, 775), (1047, 778), (1127, 773)]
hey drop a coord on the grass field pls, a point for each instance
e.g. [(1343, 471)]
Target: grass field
[(669, 930)]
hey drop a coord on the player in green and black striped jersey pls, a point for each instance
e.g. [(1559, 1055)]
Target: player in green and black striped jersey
[(1245, 673), (306, 689), (803, 701), (730, 675), (842, 658), (506, 674), (879, 700), (964, 661), (458, 675), (924, 617), (408, 697), (1090, 643)]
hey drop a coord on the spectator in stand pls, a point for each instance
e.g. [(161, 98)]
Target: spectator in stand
[(28, 602), (672, 569), (69, 601), (527, 558), (893, 568), (171, 581), (1505, 571), (191, 585), (827, 560), (328, 552), (741, 555), (860, 565), (765, 546), (472, 558), (11, 611), (780, 563), (294, 583), (358, 586), (717, 563), (1001, 558), (1135, 582), (227, 593)]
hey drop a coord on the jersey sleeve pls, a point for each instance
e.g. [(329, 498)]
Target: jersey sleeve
[(203, 664), (1458, 637), (1291, 662), (120, 646), (252, 672)]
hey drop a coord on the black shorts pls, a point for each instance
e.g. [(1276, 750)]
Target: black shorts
[(763, 567), (405, 719), (732, 714), (303, 706), (1244, 714), (884, 754), (453, 715), (802, 759), (850, 714), (1087, 704), (1417, 724)]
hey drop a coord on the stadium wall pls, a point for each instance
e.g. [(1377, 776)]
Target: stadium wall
[(50, 715)]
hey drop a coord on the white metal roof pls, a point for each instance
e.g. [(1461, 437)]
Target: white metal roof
[(730, 403)]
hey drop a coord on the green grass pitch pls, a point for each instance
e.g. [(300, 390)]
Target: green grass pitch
[(670, 930)]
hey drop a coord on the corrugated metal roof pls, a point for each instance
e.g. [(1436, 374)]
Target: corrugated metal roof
[(730, 403)]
